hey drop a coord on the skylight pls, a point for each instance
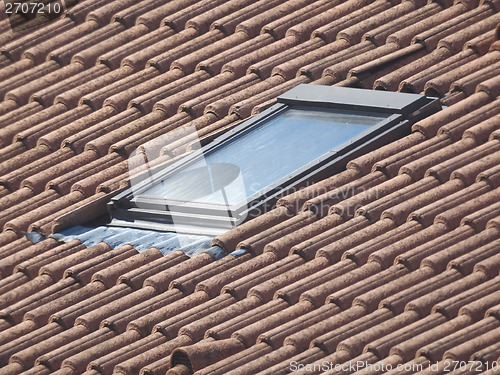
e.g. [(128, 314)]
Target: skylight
[(312, 128)]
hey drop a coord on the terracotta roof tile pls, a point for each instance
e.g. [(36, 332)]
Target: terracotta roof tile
[(103, 15), (382, 66), (66, 317), (15, 248), (379, 34), (31, 136), (158, 353), (249, 334), (359, 10), (475, 36), (15, 122), (120, 130), (408, 348), (28, 340), (355, 344), (276, 63), (441, 84), (16, 310), (322, 203), (12, 281), (40, 315), (54, 358), (469, 83), (18, 330), (296, 200), (405, 78), (490, 266), (329, 341), (64, 54), (83, 135), (202, 327), (22, 94), (267, 98), (437, 349), (28, 356), (80, 360), (373, 210), (241, 287), (428, 213), (432, 68), (256, 243), (22, 79), (440, 259), (393, 163), (27, 207), (46, 95), (276, 336), (473, 302), (488, 354), (431, 37), (279, 28), (187, 282), (163, 60), (106, 363), (395, 284), (16, 68), (197, 106), (341, 68), (361, 253), (421, 296), (7, 237), (264, 362), (16, 47), (109, 275), (334, 251), (382, 347), (349, 207), (189, 314), (162, 280), (7, 105), (89, 56), (465, 350), (70, 98)]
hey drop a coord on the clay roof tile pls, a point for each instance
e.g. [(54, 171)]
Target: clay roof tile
[(408, 348), (26, 341), (456, 41), (491, 265), (440, 259), (398, 301), (154, 354), (428, 213), (226, 329), (472, 302), (342, 274), (436, 350), (329, 341), (16, 311), (335, 251)]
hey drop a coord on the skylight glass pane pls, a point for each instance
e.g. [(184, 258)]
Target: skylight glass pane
[(264, 155)]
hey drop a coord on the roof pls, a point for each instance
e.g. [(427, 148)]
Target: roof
[(394, 260)]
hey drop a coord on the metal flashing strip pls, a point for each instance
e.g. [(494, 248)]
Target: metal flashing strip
[(139, 239)]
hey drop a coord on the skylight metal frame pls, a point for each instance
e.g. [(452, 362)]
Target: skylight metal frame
[(131, 209)]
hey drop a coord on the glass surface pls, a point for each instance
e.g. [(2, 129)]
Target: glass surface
[(263, 156)]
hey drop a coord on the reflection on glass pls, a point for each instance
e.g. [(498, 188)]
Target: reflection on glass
[(264, 155)]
